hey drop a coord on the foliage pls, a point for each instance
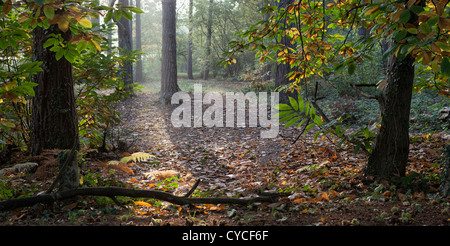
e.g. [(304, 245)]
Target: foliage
[(93, 71), (136, 157)]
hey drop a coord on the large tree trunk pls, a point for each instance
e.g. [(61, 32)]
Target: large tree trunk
[(282, 70), (139, 74), (390, 154), (189, 48), (125, 42), (54, 118), (169, 84), (208, 42)]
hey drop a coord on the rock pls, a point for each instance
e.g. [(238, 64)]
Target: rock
[(444, 114), (29, 166)]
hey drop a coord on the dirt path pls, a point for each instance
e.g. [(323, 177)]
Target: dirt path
[(229, 159), (320, 178)]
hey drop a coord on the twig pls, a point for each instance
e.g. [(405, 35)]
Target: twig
[(193, 188)]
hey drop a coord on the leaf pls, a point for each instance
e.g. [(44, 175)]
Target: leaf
[(49, 12), (400, 35), (136, 157), (283, 106), (97, 46), (135, 10), (291, 122), (39, 2), (139, 203), (63, 24), (293, 103), (85, 23), (301, 123), (351, 68), (445, 66), (405, 16)]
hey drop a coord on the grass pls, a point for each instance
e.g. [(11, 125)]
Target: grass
[(154, 85)]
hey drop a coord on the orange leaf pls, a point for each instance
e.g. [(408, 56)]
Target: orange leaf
[(300, 200), (142, 204)]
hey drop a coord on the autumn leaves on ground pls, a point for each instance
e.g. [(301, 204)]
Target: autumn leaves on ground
[(320, 183)]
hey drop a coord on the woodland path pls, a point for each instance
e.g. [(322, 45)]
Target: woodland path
[(324, 183)]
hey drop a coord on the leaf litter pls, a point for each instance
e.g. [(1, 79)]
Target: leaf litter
[(322, 184)]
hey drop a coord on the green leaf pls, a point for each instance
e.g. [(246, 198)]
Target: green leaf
[(445, 66), (308, 128), (283, 113), (136, 10), (127, 15), (117, 15), (400, 35), (291, 122), (301, 103), (288, 117), (405, 16), (318, 121), (283, 106), (39, 2), (351, 68), (49, 12), (294, 104), (108, 16), (301, 123)]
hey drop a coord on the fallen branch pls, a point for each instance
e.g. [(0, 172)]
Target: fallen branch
[(117, 191)]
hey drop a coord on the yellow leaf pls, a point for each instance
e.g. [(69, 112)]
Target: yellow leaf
[(85, 23), (63, 24), (371, 11)]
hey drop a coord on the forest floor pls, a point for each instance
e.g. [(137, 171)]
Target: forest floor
[(322, 184)]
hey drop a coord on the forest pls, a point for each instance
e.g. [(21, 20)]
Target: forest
[(225, 113)]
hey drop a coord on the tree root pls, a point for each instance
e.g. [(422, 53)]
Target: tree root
[(112, 192)]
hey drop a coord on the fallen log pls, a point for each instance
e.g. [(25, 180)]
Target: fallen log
[(112, 192)]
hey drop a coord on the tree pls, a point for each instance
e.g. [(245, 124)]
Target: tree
[(208, 41), (189, 48), (54, 119), (139, 74), (124, 28), (417, 31), (169, 84), (283, 69)]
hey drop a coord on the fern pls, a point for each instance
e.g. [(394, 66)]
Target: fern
[(136, 157)]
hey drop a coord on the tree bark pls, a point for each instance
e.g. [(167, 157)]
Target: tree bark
[(282, 70), (390, 154), (54, 118), (139, 73), (125, 42), (189, 48), (208, 42), (169, 84)]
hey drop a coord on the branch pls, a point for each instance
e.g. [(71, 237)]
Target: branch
[(117, 191), (363, 93)]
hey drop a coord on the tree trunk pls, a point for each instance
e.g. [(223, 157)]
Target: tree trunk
[(54, 118), (125, 42), (189, 48), (208, 42), (282, 70), (139, 74), (169, 85), (390, 154)]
